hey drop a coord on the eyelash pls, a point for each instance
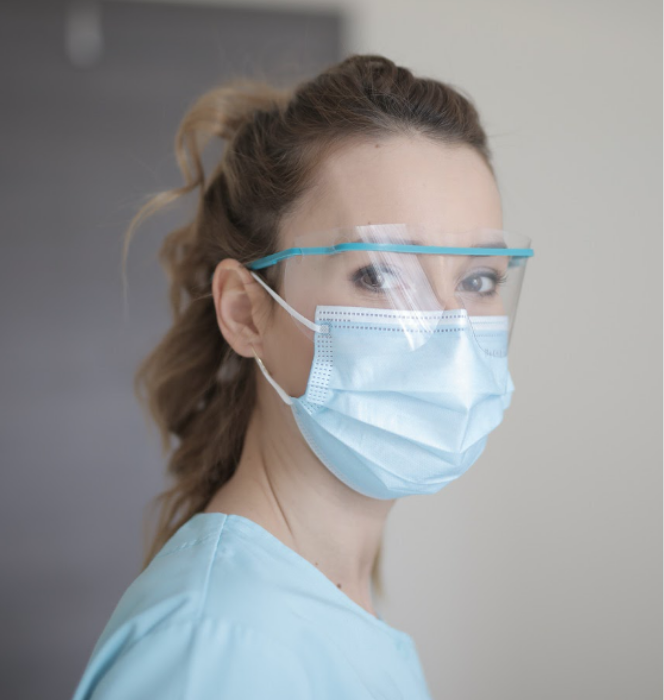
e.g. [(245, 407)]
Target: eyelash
[(356, 277), (497, 279)]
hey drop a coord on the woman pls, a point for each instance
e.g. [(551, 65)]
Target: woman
[(342, 301)]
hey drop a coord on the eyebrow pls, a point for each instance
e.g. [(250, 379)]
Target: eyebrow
[(497, 244), (391, 241)]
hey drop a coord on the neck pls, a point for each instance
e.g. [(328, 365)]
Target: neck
[(281, 485)]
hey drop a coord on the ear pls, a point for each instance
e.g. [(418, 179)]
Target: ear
[(242, 306)]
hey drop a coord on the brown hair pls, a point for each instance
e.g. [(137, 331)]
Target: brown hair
[(195, 387)]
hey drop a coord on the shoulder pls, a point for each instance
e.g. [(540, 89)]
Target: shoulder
[(200, 658), (194, 617), (213, 567)]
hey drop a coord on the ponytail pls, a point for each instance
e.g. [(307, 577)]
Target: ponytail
[(194, 386)]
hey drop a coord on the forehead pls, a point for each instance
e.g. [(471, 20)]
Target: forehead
[(412, 180)]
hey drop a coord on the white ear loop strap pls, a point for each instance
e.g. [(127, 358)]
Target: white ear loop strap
[(284, 396), (305, 321)]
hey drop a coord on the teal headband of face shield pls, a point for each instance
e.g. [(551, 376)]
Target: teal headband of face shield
[(273, 259)]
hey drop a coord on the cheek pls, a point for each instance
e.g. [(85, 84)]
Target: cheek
[(289, 352)]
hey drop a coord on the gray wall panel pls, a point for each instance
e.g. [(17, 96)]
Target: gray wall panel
[(81, 147)]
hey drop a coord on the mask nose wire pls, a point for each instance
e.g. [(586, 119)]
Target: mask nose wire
[(316, 327)]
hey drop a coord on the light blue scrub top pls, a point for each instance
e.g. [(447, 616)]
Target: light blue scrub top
[(228, 611)]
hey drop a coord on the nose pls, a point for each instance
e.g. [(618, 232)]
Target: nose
[(443, 291), (450, 302)]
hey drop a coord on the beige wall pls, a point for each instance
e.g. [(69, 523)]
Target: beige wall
[(538, 574)]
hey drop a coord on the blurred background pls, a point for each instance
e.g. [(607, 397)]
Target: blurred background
[(536, 575)]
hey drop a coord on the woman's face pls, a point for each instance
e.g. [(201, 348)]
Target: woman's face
[(448, 192)]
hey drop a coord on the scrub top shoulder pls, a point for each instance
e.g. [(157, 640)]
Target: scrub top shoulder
[(227, 610)]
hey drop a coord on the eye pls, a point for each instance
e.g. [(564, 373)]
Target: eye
[(376, 278), (482, 283)]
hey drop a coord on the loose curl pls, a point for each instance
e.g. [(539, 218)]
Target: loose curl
[(193, 385)]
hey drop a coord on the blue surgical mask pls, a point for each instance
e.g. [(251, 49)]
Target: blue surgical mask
[(389, 420)]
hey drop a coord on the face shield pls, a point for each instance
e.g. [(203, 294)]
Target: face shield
[(419, 280), (410, 326)]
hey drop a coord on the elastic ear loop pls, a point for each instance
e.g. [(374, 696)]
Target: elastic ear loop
[(284, 396), (305, 321)]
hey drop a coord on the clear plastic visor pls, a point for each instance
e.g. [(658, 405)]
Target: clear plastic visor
[(425, 277)]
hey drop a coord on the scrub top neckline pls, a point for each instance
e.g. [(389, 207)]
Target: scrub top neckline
[(301, 561)]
